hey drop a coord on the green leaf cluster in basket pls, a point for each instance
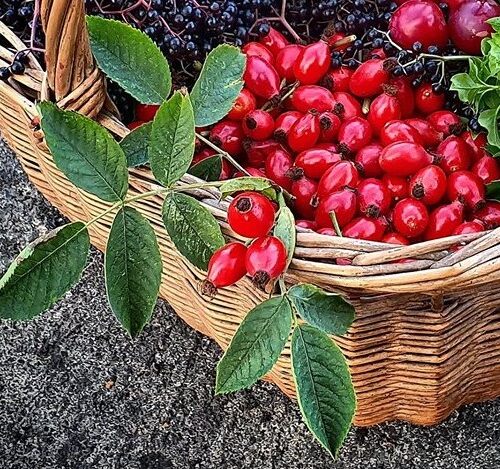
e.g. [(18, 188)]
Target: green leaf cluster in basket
[(480, 87), (90, 157)]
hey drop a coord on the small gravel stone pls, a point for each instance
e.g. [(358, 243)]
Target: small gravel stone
[(75, 392)]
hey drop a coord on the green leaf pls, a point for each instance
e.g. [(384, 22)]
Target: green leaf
[(171, 147), (218, 85), (324, 388), (131, 58), (248, 184), (135, 145), (133, 269), (208, 169), (286, 231), (256, 345), (489, 120), (43, 272), (192, 228), (493, 190), (495, 23), (85, 152), (327, 311)]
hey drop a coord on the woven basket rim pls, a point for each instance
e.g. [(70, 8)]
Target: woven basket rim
[(428, 266)]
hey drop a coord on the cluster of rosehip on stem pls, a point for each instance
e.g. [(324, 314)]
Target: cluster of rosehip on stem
[(361, 152)]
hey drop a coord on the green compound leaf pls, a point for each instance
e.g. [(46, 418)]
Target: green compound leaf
[(324, 387), (43, 272), (135, 145), (131, 58), (133, 269), (248, 184), (327, 311), (192, 228), (493, 190), (208, 169), (286, 231), (219, 84), (171, 146), (85, 152), (256, 345)]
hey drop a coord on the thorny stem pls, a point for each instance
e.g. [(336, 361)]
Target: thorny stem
[(146, 195), (225, 154), (282, 19)]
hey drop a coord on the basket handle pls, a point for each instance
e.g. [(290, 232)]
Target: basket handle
[(73, 79)]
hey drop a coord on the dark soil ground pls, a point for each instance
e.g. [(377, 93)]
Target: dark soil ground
[(75, 392)]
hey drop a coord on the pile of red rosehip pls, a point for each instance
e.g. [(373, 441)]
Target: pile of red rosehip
[(362, 153)]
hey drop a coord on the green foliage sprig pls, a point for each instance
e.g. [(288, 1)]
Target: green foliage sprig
[(480, 87), (94, 162)]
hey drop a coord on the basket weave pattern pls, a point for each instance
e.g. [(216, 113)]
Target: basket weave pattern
[(426, 338)]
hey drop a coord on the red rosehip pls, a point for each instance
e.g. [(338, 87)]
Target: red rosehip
[(342, 203), (338, 79), (426, 100), (346, 105), (339, 176), (354, 134), (304, 189), (330, 124), (454, 154), (404, 158), (467, 188), (312, 97), (368, 79), (254, 49), (374, 199), (395, 238), (274, 41), (286, 59), (250, 214), (468, 227), (258, 125), (284, 123), (418, 21), (397, 185), (410, 217), (430, 137), (261, 78), (316, 161), (257, 152), (371, 229), (228, 135), (428, 185), (367, 160), (265, 260), (245, 102), (226, 267), (487, 169), (312, 63), (444, 220), (304, 133), (146, 112), (278, 165), (404, 95), (383, 109), (489, 215), (398, 131), (446, 122)]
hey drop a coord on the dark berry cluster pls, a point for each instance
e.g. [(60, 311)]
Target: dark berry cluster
[(17, 66)]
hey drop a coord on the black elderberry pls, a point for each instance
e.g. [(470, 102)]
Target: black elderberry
[(4, 73), (433, 50), (17, 68)]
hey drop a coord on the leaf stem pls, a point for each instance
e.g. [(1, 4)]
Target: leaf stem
[(103, 214), (225, 154), (282, 285), (335, 223)]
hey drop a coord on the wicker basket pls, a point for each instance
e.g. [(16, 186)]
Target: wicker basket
[(427, 334)]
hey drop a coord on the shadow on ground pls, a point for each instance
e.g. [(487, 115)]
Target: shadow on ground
[(75, 392)]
